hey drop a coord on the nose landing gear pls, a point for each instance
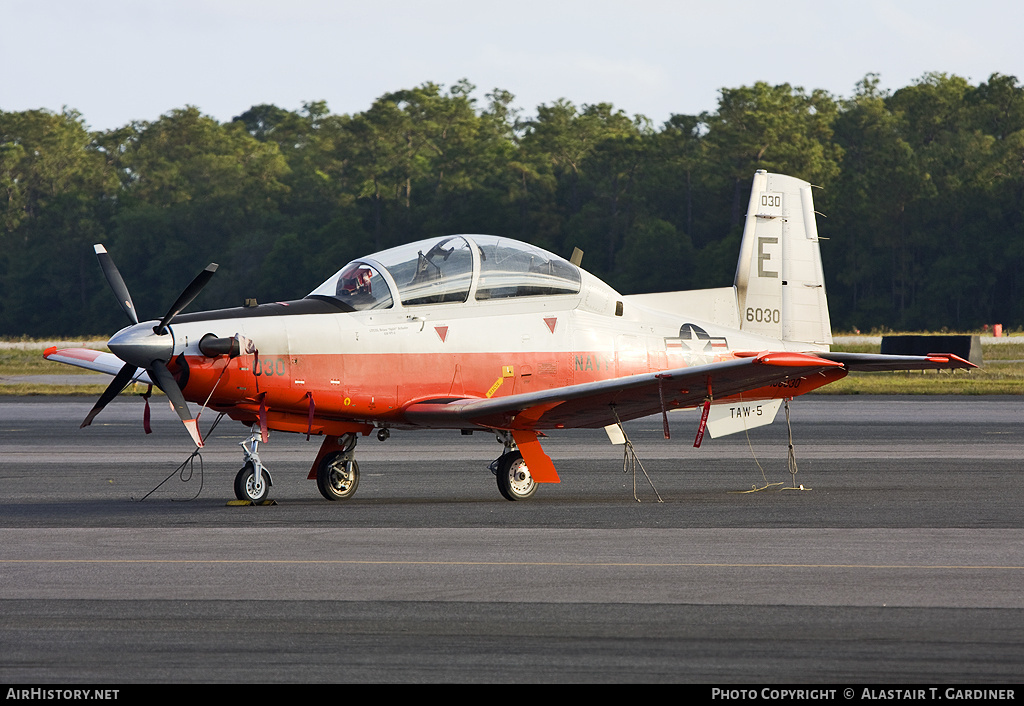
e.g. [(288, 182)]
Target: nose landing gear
[(253, 481)]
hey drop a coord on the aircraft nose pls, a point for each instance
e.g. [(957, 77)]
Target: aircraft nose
[(140, 345)]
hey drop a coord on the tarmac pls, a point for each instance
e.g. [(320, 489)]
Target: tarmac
[(895, 554)]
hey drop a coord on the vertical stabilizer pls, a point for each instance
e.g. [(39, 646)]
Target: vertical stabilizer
[(780, 286)]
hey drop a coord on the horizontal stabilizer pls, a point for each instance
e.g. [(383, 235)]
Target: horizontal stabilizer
[(875, 362)]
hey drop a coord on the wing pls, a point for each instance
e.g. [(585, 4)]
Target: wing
[(874, 362), (90, 359), (597, 404)]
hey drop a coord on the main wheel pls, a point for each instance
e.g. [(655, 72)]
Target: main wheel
[(514, 479), (248, 487), (336, 478)]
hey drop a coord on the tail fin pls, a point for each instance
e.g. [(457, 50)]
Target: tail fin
[(780, 286)]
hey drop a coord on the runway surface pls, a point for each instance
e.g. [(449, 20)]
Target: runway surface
[(900, 561)]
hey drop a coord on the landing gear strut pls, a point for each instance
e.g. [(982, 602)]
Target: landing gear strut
[(337, 476), (253, 481)]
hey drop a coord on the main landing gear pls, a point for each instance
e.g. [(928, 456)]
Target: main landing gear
[(337, 476), (512, 473), (253, 481)]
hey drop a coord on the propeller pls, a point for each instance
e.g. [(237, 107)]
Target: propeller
[(114, 279), (143, 346), (185, 298), (120, 381)]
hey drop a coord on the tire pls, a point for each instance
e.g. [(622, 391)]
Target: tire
[(246, 487), (336, 478), (514, 479)]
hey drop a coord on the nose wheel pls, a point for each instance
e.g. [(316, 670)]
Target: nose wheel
[(249, 486)]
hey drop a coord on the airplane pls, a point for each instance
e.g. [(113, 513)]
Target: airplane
[(485, 333)]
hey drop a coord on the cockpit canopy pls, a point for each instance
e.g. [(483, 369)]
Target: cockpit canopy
[(450, 269)]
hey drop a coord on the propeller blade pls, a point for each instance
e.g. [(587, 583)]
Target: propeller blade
[(185, 298), (120, 381), (163, 378), (116, 282)]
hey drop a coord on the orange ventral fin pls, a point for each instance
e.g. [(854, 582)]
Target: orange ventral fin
[(541, 467)]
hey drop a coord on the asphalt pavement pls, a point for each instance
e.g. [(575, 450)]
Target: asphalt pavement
[(893, 555)]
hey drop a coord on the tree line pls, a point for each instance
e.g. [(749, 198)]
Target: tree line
[(922, 196)]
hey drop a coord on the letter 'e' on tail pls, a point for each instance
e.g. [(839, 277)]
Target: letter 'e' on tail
[(780, 286)]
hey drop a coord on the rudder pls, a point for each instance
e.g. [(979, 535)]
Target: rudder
[(780, 285)]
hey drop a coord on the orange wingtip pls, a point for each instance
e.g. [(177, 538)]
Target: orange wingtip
[(791, 359), (88, 354), (949, 358)]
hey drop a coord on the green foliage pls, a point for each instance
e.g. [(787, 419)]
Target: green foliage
[(928, 212), (923, 189)]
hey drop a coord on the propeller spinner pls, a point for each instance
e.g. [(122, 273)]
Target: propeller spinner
[(146, 346)]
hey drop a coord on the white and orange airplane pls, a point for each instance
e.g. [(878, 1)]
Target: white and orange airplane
[(478, 332)]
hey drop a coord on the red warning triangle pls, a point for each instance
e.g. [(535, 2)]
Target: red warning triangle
[(551, 321), (442, 332)]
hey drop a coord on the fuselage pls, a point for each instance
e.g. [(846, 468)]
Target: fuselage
[(318, 365)]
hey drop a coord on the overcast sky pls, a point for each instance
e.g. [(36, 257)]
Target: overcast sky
[(116, 61)]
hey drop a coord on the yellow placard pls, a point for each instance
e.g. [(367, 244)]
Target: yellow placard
[(495, 386)]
